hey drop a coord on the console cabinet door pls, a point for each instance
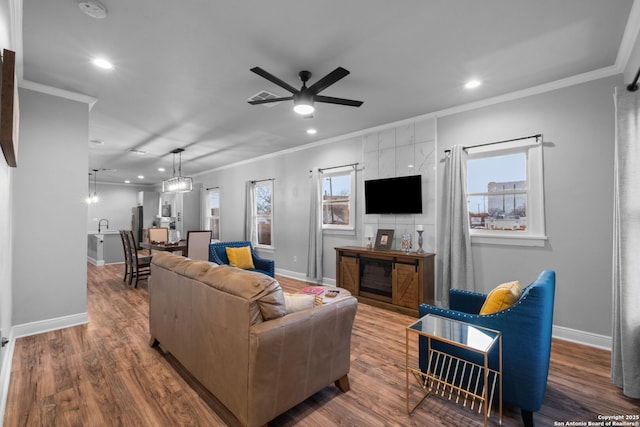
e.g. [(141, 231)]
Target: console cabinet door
[(349, 274), (405, 285)]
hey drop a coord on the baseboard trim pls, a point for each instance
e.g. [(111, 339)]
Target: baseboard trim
[(582, 337), (300, 276), (95, 262), (42, 326)]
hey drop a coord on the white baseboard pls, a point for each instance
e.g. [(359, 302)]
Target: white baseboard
[(300, 276), (95, 261), (581, 337), (42, 326)]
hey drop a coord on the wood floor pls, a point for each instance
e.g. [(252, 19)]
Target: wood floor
[(105, 374)]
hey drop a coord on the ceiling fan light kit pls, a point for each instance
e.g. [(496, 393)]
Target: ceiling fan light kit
[(303, 104), (304, 99)]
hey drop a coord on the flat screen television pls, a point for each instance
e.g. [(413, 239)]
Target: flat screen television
[(399, 195)]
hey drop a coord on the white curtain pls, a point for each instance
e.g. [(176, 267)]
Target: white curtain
[(250, 209), (454, 254), (314, 263), (625, 356)]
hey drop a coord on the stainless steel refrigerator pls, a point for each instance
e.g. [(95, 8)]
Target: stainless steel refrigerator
[(137, 224)]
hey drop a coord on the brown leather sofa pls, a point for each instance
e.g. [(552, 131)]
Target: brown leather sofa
[(229, 328)]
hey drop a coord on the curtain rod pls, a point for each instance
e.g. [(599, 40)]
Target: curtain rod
[(262, 180), (211, 188), (633, 86), (537, 136), (336, 167)]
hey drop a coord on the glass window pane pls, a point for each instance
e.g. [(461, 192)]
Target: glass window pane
[(336, 200), (264, 212), (214, 226), (497, 192)]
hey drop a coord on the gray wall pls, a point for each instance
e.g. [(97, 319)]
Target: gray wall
[(49, 210), (116, 202), (291, 201), (6, 249), (577, 124)]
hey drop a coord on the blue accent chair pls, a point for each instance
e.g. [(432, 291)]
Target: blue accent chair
[(526, 339), (218, 254)]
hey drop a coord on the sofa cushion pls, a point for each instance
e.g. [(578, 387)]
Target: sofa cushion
[(501, 297), (264, 292), (240, 257)]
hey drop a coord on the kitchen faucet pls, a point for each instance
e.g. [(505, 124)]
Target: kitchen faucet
[(100, 224)]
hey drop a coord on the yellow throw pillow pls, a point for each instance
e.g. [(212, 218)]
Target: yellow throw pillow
[(501, 297), (240, 257)]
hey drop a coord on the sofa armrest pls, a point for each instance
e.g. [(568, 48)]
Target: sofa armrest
[(265, 265), (466, 301), (297, 355)]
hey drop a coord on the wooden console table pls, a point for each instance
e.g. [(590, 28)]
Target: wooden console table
[(394, 280)]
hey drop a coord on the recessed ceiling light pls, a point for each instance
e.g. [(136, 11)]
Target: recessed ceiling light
[(472, 84), (312, 131), (140, 176), (141, 152), (160, 169), (102, 63), (127, 181)]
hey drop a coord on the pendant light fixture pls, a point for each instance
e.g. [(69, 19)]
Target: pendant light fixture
[(177, 184), (92, 199)]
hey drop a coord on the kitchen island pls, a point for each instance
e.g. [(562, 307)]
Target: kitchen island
[(104, 247)]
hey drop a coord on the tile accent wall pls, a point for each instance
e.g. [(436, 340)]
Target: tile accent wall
[(389, 153)]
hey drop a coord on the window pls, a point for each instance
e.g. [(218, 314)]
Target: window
[(263, 196), (338, 198), (505, 193), (212, 213)]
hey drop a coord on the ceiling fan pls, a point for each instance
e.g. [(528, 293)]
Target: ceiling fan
[(304, 98)]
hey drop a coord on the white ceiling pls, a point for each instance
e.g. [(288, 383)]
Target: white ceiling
[(182, 79)]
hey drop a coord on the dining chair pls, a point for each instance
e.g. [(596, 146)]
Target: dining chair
[(138, 266), (198, 244), (158, 235), (127, 253)]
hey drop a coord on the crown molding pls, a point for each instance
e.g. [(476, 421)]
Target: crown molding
[(629, 37), (534, 90)]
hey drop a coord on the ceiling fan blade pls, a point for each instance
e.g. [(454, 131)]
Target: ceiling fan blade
[(266, 101), (273, 79), (328, 80), (341, 101)]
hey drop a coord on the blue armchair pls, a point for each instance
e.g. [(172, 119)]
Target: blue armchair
[(526, 339), (218, 254)]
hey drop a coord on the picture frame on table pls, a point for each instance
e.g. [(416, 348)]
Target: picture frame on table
[(384, 239)]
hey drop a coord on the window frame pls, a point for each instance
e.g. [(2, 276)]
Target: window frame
[(256, 185), (335, 228), (535, 235)]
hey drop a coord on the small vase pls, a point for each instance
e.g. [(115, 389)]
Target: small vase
[(406, 243)]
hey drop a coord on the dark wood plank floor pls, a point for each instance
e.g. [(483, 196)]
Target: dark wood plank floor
[(105, 374)]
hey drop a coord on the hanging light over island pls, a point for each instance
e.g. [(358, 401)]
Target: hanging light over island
[(179, 183)]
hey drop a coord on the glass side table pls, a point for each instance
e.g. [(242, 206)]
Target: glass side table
[(452, 377)]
